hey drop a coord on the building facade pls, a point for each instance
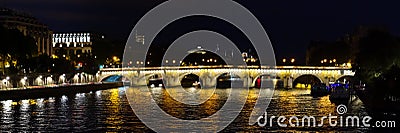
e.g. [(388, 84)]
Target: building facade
[(29, 26), (69, 45)]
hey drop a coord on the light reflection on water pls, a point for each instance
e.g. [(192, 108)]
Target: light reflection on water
[(109, 110)]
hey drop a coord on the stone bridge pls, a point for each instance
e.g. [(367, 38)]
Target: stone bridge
[(209, 74)]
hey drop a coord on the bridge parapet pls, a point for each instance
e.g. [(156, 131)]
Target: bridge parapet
[(210, 73)]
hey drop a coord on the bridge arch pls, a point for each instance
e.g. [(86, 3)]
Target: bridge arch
[(306, 80), (114, 78), (228, 73), (268, 75), (182, 75), (148, 76), (345, 78), (225, 80), (187, 80)]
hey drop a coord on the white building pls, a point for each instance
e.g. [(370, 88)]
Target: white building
[(69, 44)]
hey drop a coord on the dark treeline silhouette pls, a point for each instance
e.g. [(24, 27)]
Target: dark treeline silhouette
[(377, 66)]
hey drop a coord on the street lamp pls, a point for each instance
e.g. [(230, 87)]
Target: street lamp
[(292, 60), (284, 60)]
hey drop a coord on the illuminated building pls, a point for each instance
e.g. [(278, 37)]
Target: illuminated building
[(74, 44), (29, 26)]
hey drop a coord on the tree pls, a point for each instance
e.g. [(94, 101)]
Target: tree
[(378, 52), (16, 49)]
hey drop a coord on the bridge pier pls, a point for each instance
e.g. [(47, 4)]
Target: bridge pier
[(288, 82), (207, 81), (247, 82), (138, 81), (172, 81)]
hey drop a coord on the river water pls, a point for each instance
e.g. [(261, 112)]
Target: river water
[(109, 110)]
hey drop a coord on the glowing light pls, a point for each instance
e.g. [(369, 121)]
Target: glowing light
[(348, 64), (292, 60), (284, 60)]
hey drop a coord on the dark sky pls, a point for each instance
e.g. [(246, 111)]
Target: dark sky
[(290, 24)]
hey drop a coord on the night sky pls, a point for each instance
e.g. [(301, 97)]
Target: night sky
[(291, 25)]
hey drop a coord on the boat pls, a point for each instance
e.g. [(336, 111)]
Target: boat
[(196, 84), (339, 93), (155, 82), (320, 89)]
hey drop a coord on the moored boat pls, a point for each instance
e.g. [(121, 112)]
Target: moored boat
[(339, 94), (320, 89)]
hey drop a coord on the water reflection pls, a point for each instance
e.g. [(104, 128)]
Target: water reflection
[(109, 110)]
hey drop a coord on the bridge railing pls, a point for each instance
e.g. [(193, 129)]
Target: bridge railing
[(226, 67)]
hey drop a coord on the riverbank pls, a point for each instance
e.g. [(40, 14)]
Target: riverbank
[(383, 103), (54, 90)]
